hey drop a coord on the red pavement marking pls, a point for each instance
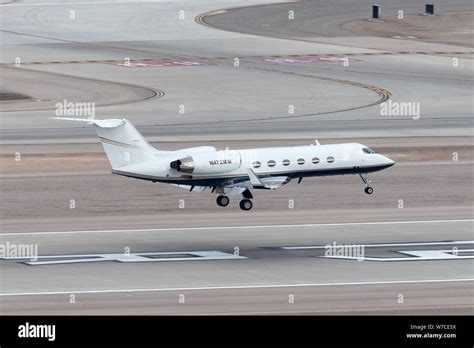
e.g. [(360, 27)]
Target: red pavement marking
[(309, 59), (160, 64)]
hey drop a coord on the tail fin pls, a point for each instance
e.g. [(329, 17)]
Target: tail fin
[(123, 143)]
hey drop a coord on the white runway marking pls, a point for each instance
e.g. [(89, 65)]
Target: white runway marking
[(132, 257), (440, 254), (269, 286), (415, 255), (240, 227), (304, 247)]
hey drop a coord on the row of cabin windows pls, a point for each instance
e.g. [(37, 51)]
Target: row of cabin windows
[(300, 161)]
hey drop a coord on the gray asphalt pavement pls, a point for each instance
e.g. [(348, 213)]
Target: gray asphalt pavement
[(271, 259)]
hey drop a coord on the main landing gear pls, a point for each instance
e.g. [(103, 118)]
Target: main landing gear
[(222, 201), (245, 204), (365, 178)]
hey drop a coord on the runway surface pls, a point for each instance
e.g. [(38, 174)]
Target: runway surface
[(131, 247), (242, 285), (140, 217)]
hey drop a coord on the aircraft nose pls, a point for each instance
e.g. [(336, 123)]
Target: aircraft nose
[(389, 162)]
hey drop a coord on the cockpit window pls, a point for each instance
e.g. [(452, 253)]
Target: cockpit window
[(367, 150)]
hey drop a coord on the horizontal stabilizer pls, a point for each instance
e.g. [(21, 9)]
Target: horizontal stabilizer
[(110, 123)]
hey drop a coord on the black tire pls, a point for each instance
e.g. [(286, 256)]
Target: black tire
[(222, 201), (246, 204), (369, 190)]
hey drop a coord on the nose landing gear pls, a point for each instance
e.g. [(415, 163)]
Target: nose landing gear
[(369, 190), (365, 178)]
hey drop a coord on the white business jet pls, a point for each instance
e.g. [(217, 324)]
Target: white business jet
[(230, 172)]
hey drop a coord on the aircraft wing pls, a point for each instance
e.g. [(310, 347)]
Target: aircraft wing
[(269, 183), (275, 182), (191, 188)]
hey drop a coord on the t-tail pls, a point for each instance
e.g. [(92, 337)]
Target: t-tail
[(122, 142)]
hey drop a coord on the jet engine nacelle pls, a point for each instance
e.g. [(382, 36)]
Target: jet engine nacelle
[(208, 163)]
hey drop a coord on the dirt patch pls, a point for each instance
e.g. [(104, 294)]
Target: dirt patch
[(57, 88), (6, 96), (452, 28), (53, 163)]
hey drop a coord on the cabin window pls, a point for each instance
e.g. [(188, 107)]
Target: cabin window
[(286, 162), (330, 159), (315, 160), (256, 164), (271, 163), (300, 161)]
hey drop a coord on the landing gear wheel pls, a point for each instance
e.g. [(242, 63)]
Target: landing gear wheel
[(246, 204), (369, 190), (222, 201)]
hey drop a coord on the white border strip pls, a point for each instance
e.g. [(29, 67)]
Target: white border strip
[(374, 245), (269, 286), (240, 227)]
